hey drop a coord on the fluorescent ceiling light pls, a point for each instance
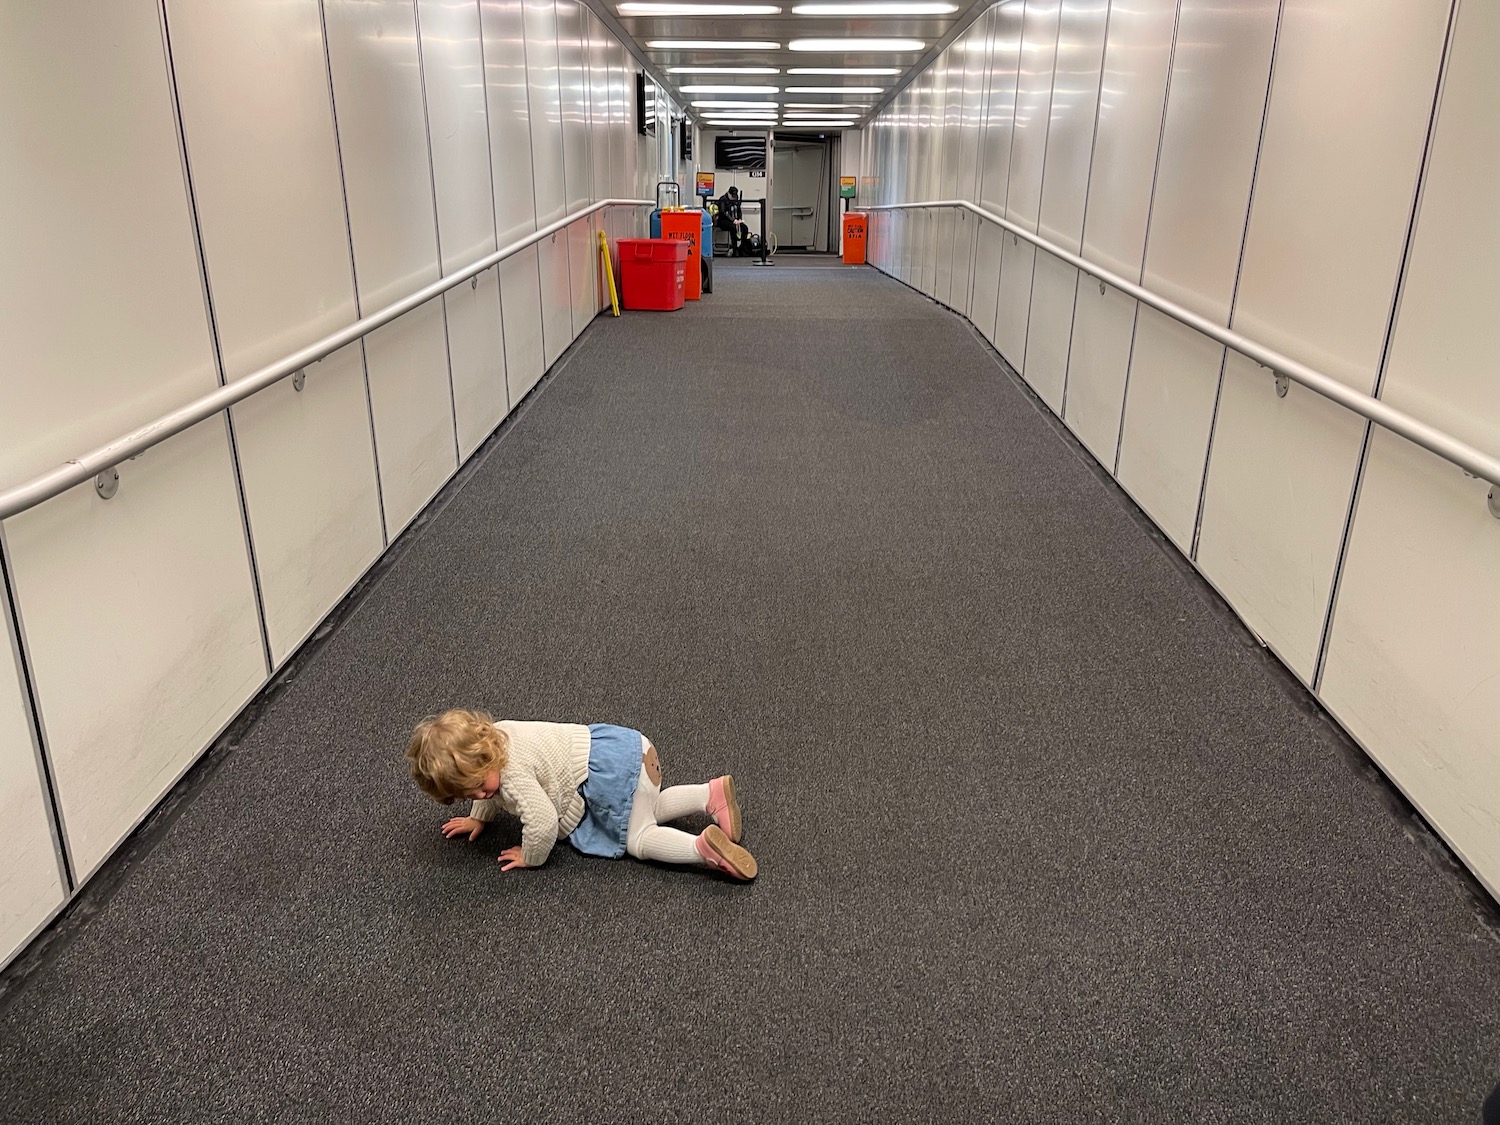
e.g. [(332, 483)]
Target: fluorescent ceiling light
[(871, 8), (670, 9), (711, 45), (838, 107), (730, 89), (844, 70), (734, 105), (725, 70), (855, 46), (840, 90)]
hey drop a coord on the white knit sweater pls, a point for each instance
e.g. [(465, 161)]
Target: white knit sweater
[(545, 765)]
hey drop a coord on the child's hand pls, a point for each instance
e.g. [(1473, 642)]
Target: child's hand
[(513, 856), (460, 825)]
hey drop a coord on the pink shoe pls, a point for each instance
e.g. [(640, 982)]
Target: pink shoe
[(723, 854), (724, 808)]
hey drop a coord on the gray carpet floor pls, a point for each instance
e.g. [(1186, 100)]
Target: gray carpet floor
[(1043, 837)]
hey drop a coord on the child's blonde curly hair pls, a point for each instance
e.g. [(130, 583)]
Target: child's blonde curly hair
[(451, 753)]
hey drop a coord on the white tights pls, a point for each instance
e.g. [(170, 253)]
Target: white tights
[(647, 839)]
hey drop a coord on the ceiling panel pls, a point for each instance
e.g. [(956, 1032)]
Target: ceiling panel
[(781, 29)]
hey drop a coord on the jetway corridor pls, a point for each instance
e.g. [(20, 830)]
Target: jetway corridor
[(1043, 834)]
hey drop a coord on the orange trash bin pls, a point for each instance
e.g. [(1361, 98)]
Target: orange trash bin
[(854, 238), (687, 226)]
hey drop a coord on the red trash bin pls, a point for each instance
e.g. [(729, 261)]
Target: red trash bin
[(653, 273)]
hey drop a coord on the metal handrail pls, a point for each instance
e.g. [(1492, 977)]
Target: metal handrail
[(107, 456), (1473, 461)]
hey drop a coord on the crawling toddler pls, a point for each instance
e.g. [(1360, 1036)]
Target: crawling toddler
[(598, 785)]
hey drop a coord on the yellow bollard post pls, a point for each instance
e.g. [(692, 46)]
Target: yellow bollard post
[(609, 272)]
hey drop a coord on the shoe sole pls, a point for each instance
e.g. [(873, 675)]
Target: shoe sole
[(736, 829), (737, 861)]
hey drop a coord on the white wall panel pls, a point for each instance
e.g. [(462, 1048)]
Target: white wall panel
[(92, 164), (1132, 99), (509, 117), (1028, 152), (453, 73), (1065, 181), (407, 366), (377, 94), (521, 300), (574, 95), (599, 128), (1049, 327), (382, 132), (557, 296), (139, 619), (1013, 308), (308, 465), (1413, 665), (1070, 134), (31, 883), (975, 49), (1173, 384), (1345, 130), (1103, 327), (140, 611), (477, 353), (546, 110), (1004, 26), (947, 186), (274, 237), (581, 272), (1220, 72)]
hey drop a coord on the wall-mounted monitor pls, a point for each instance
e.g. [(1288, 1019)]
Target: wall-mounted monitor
[(740, 154), (645, 105)]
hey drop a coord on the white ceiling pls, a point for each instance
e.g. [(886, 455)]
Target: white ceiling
[(780, 30)]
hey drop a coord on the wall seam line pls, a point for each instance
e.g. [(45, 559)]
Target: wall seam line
[(1392, 318), (1239, 272), (364, 362), (489, 148), (1135, 319), (216, 345), (56, 825), (437, 225), (1088, 180)]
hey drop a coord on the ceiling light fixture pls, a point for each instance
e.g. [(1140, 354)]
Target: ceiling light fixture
[(670, 9), (730, 89), (712, 45), (873, 8), (840, 90), (836, 107), (844, 70), (855, 46), (725, 70), (734, 105)]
